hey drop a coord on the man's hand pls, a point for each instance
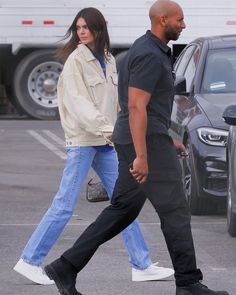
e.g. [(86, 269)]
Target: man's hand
[(181, 149), (139, 169)]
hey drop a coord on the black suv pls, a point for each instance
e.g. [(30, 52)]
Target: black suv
[(205, 85)]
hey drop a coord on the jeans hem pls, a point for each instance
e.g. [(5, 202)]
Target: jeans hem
[(30, 262)]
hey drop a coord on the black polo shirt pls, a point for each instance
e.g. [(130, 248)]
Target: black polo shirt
[(147, 66)]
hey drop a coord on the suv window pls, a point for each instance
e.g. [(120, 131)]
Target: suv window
[(182, 61), (191, 69), (220, 71)]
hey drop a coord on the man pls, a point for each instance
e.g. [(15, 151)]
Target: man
[(148, 161)]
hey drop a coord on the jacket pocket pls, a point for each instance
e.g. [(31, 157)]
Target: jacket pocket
[(95, 86), (94, 81)]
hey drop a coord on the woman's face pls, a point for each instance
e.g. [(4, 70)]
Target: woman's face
[(84, 34)]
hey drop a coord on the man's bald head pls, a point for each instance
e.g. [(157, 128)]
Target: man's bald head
[(162, 8), (167, 20)]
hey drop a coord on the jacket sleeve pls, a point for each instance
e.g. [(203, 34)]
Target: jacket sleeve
[(76, 100)]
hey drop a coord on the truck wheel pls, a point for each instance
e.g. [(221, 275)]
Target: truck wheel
[(35, 84)]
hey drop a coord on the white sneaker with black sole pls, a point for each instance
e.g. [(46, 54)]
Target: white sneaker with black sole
[(151, 273), (33, 272)]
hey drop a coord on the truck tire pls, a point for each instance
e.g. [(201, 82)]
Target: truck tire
[(34, 85)]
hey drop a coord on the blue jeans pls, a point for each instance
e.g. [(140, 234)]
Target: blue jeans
[(79, 161)]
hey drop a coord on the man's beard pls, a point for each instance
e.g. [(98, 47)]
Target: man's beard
[(172, 35)]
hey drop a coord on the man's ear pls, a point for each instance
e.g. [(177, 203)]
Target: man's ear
[(163, 20)]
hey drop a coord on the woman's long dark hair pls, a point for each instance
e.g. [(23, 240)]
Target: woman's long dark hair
[(97, 25)]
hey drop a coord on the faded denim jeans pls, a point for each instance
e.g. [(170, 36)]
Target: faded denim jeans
[(79, 161)]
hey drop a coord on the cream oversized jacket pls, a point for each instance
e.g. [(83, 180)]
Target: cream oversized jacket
[(88, 102)]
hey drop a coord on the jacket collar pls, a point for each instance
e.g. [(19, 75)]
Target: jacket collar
[(86, 52)]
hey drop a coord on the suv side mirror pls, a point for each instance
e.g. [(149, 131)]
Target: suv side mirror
[(229, 115), (180, 85)]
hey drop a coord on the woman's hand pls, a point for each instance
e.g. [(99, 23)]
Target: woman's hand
[(108, 137)]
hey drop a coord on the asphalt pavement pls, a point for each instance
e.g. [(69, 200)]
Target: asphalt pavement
[(31, 162)]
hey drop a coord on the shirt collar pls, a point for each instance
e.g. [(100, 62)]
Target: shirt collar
[(166, 49)]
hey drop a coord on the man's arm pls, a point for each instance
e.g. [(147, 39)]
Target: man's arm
[(137, 103)]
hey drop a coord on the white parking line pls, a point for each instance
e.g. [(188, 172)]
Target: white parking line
[(48, 145), (54, 137)]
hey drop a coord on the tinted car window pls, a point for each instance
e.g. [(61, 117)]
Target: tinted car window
[(183, 60), (220, 71), (191, 69)]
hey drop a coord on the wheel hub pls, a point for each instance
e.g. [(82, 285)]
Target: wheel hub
[(49, 85), (42, 83)]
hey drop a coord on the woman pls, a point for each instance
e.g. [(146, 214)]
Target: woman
[(88, 105)]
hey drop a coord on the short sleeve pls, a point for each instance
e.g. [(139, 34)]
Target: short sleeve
[(145, 71)]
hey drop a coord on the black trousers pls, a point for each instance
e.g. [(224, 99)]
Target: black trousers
[(164, 189)]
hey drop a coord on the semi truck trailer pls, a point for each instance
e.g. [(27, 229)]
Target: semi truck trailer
[(30, 32)]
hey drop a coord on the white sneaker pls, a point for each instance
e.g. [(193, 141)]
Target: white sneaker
[(152, 273), (32, 272)]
